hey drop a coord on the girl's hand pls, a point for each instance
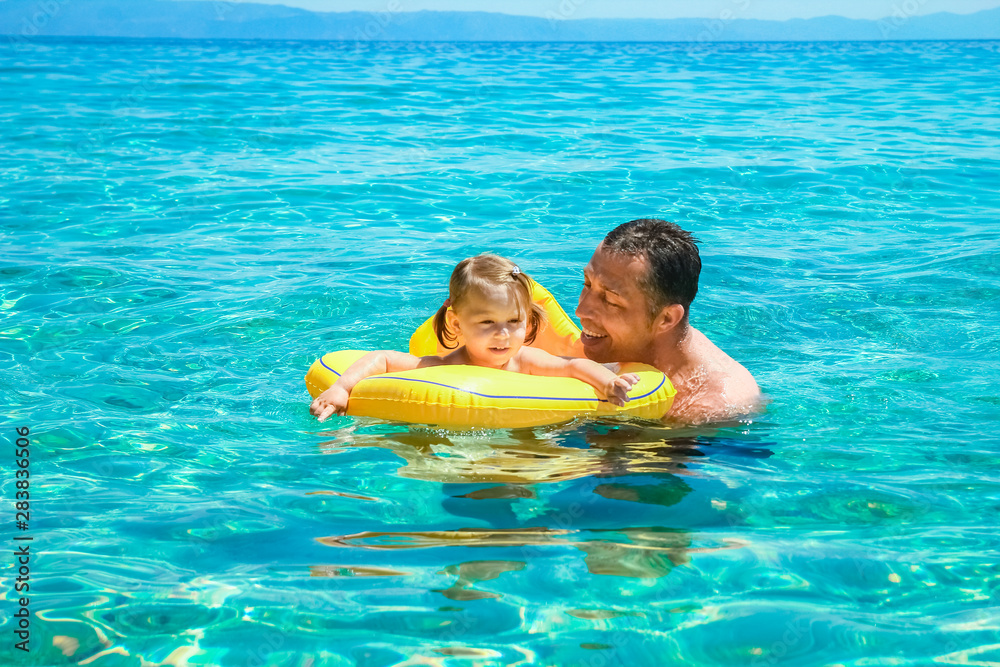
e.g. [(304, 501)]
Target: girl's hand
[(332, 401), (617, 390)]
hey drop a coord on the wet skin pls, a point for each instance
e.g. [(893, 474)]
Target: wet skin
[(617, 327), (612, 310), (493, 327)]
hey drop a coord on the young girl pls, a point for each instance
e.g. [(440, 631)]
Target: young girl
[(490, 308)]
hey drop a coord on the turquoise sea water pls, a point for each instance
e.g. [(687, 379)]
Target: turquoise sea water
[(188, 225)]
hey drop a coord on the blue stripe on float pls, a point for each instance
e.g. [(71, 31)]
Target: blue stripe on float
[(323, 363), (475, 393), (530, 398)]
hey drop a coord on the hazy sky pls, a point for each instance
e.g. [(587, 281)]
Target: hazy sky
[(578, 9)]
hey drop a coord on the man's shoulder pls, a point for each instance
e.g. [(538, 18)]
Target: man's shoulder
[(728, 377), (736, 382), (717, 388), (715, 402)]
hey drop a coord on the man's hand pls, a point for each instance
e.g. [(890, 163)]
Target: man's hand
[(332, 401), (617, 390)]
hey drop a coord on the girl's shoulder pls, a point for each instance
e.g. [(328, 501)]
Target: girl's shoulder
[(454, 358)]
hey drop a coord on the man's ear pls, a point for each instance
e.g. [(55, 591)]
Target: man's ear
[(669, 318)]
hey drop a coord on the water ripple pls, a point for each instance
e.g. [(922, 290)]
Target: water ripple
[(187, 225)]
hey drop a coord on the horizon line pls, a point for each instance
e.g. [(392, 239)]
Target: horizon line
[(561, 19), (15, 38)]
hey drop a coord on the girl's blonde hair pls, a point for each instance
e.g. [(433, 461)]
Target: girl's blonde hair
[(482, 272)]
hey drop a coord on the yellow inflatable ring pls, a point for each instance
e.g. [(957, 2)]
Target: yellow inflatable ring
[(459, 397)]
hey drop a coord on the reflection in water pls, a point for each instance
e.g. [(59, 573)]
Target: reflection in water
[(354, 571), (505, 492), (474, 572), (601, 614), (666, 492), (648, 552), (533, 456), (464, 537), (645, 553), (537, 489)]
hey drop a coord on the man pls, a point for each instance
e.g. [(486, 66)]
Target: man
[(634, 305)]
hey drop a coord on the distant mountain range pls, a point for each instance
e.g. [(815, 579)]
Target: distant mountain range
[(225, 19)]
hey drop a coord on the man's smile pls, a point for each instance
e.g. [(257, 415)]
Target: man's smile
[(587, 333)]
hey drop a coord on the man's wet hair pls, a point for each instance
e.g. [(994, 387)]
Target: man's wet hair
[(672, 254)]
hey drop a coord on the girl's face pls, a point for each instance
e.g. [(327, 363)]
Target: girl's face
[(492, 325)]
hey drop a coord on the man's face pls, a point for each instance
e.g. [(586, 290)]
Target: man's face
[(613, 311)]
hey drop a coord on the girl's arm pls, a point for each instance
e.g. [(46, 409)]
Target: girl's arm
[(609, 385), (334, 400)]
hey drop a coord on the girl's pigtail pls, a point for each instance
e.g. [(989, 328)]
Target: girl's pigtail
[(536, 314), (444, 335), (536, 320)]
